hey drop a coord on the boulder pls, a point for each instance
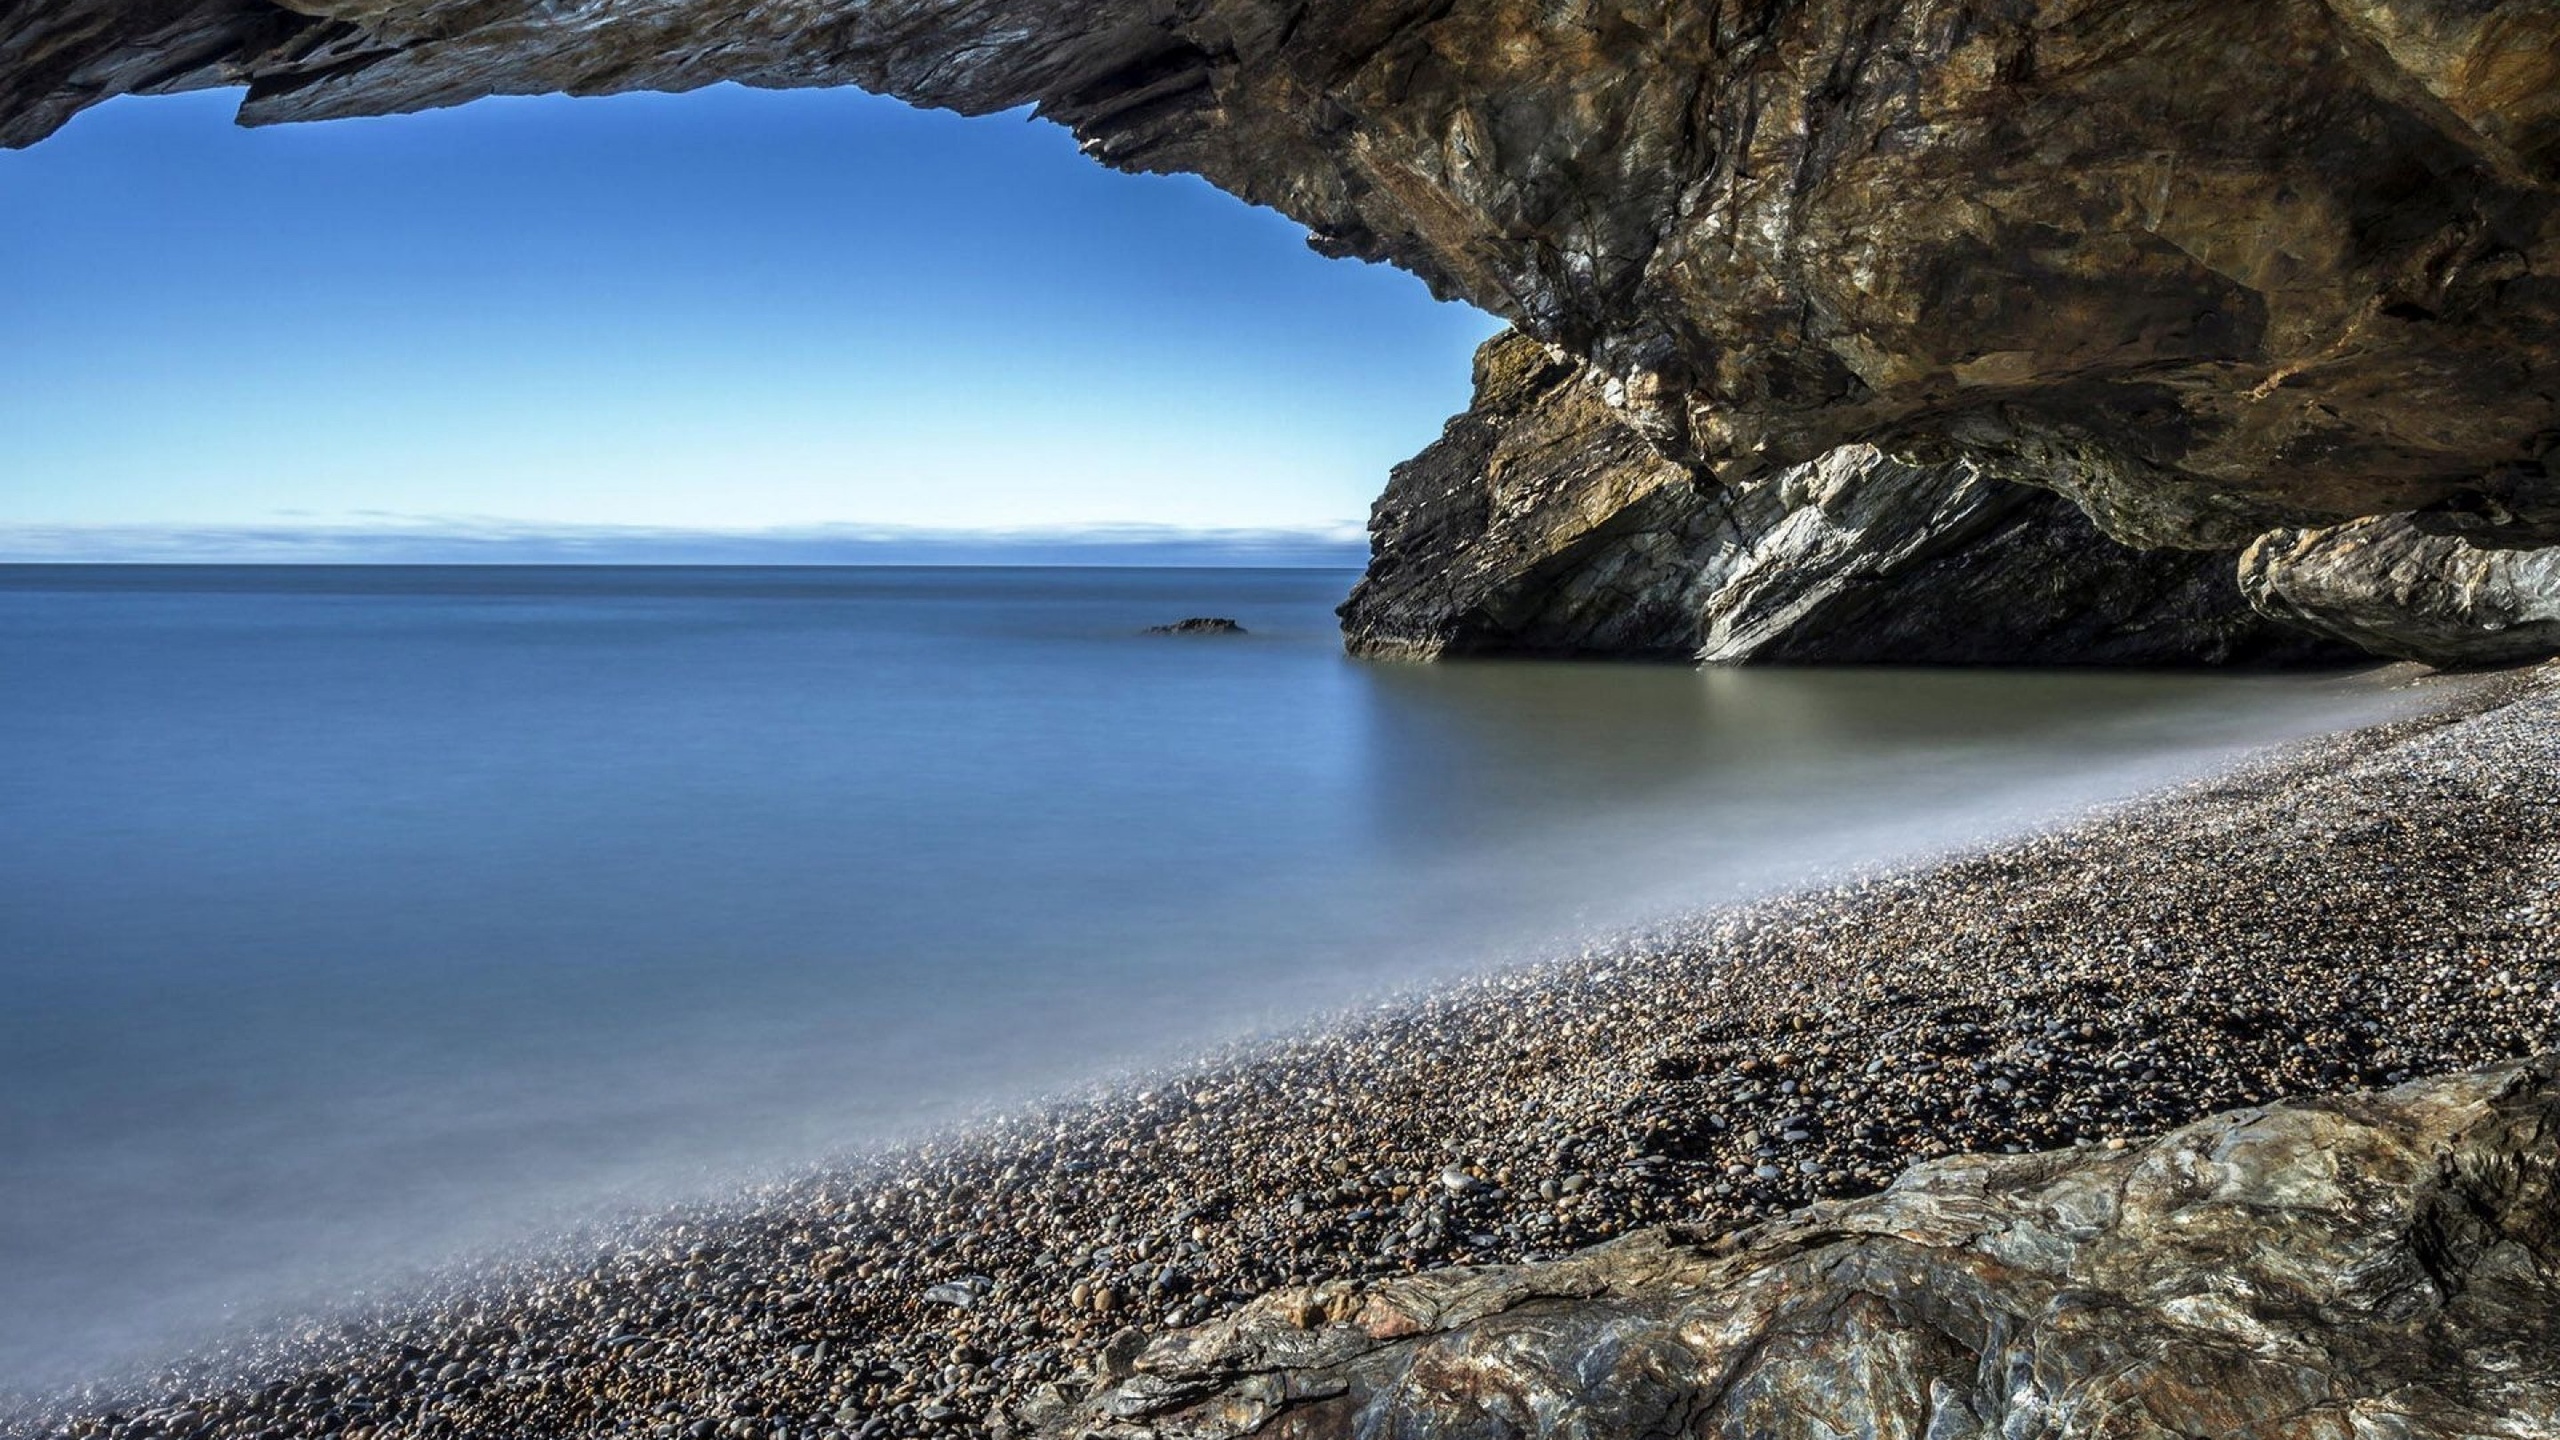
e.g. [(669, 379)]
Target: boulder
[(2388, 586), (2370, 1264)]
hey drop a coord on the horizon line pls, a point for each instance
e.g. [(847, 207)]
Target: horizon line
[(474, 540), (10, 564)]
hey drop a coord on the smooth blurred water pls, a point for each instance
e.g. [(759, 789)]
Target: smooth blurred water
[(354, 918)]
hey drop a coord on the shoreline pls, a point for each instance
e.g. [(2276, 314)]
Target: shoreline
[(2163, 959)]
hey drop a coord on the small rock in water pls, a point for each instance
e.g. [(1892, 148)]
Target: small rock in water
[(1198, 625)]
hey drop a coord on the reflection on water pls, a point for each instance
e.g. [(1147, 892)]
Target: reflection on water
[(1682, 786), (351, 919)]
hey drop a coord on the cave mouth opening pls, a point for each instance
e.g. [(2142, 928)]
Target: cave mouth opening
[(808, 316)]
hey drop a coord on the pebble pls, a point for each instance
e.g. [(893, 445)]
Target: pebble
[(2369, 906)]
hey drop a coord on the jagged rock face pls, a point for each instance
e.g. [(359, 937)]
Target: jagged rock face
[(1542, 523), (1539, 523), (2383, 1264), (1859, 558), (2391, 588), (2208, 267)]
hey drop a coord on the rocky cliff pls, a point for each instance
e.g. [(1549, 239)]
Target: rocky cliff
[(2205, 269), (2379, 1264), (1541, 523)]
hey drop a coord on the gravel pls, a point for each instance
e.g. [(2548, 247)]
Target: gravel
[(2353, 912)]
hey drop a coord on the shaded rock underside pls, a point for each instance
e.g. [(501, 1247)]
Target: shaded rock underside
[(2377, 1264)]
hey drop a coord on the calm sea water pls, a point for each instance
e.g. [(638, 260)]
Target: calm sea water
[(353, 919)]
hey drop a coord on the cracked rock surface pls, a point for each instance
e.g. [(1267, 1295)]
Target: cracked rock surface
[(1542, 523), (2386, 586), (2368, 1264)]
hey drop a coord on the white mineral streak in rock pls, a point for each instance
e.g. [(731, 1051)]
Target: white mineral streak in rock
[(2389, 587)]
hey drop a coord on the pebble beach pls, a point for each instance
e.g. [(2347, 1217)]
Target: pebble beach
[(2349, 912)]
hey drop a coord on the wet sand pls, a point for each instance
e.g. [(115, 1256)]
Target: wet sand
[(2351, 912)]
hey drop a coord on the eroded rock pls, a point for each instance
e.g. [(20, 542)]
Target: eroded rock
[(1539, 522), (2369, 1264), (1543, 523), (2390, 587)]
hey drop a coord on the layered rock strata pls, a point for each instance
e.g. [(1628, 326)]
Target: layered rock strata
[(2365, 1265), (2208, 268), (2387, 586), (1543, 523)]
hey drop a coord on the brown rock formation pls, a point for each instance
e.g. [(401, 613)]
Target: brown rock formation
[(2378, 1264), (1541, 523)]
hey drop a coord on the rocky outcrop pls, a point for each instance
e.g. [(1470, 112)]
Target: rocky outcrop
[(1538, 523), (2391, 588), (2378, 1264), (2208, 268), (1543, 523)]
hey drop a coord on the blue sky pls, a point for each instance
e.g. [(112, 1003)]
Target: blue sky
[(727, 310)]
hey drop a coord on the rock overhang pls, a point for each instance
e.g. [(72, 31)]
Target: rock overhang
[(2206, 270)]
